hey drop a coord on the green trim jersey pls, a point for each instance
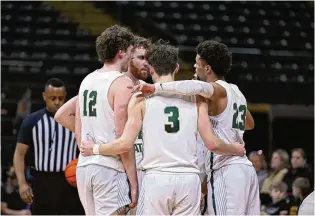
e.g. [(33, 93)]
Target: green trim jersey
[(169, 132), (97, 116), (229, 126)]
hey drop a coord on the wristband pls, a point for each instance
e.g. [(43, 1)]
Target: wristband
[(96, 149)]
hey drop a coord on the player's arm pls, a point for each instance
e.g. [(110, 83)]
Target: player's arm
[(126, 142), (121, 100), (78, 124), (212, 142), (66, 114), (186, 87), (249, 122)]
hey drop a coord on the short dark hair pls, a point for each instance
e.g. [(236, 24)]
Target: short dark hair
[(55, 82), (112, 40), (216, 55), (163, 57), (142, 42)]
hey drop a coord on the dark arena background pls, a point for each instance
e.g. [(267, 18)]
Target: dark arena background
[(272, 44)]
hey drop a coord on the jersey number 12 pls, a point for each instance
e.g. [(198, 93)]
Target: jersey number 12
[(92, 102)]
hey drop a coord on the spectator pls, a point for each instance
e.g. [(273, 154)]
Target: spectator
[(11, 203), (260, 165), (279, 167), (280, 203), (301, 188), (23, 109), (298, 168)]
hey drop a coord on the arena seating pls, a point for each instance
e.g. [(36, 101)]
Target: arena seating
[(36, 40), (272, 42), (37, 43)]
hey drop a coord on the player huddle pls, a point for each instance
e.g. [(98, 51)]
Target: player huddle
[(153, 141)]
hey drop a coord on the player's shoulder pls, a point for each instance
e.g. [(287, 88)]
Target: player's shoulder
[(123, 80), (122, 85)]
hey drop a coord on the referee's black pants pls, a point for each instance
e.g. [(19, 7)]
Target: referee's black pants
[(53, 195)]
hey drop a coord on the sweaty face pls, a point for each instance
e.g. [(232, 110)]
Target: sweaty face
[(138, 64), (255, 159), (200, 68), (54, 98), (126, 59), (297, 160)]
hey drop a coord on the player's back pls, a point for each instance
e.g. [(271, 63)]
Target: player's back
[(229, 126), (97, 116), (169, 132)]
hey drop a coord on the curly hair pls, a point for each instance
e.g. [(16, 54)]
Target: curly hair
[(141, 42), (163, 57), (216, 55), (112, 40)]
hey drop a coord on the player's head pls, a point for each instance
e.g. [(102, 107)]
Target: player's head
[(213, 60), (138, 65), (162, 59), (115, 45), (54, 94)]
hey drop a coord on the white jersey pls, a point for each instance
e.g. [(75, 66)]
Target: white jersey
[(97, 116), (169, 132), (138, 145), (139, 150), (229, 126)]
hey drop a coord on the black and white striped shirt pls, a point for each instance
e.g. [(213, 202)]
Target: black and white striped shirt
[(51, 145)]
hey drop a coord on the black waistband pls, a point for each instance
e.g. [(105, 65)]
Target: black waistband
[(36, 173)]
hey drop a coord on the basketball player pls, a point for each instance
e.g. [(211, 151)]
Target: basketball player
[(137, 71), (232, 182), (102, 112), (170, 124)]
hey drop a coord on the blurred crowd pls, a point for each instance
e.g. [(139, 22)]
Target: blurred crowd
[(285, 184)]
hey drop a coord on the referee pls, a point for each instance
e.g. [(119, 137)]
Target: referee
[(51, 148)]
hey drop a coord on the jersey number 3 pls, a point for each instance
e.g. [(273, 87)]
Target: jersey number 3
[(92, 102), (172, 125), (236, 123)]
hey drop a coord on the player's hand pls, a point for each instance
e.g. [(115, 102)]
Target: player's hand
[(145, 88), (240, 149), (134, 198), (86, 147), (26, 193)]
